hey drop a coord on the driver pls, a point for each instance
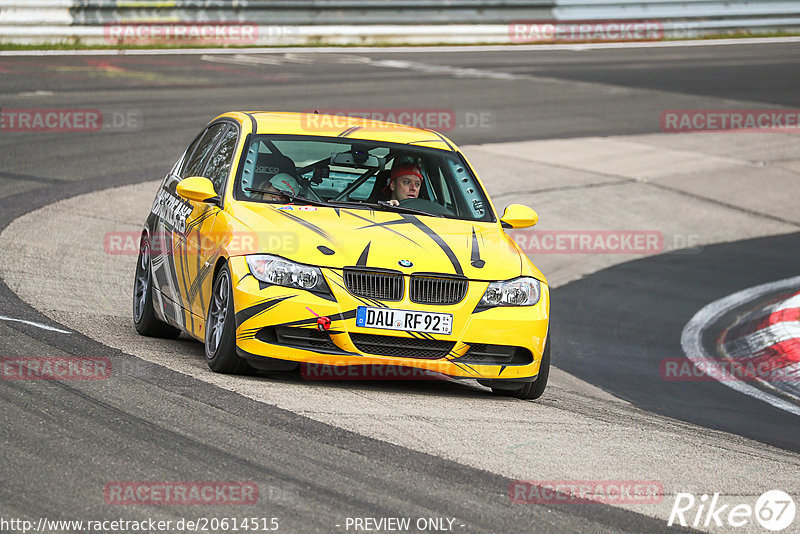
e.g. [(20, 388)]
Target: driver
[(274, 173), (281, 182), (405, 182)]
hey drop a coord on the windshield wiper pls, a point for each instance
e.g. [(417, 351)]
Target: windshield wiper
[(293, 198), (383, 205)]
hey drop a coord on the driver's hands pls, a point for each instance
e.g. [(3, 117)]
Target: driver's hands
[(394, 202)]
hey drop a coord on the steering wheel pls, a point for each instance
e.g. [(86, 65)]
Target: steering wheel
[(426, 205)]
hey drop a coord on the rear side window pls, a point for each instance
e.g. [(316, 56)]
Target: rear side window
[(219, 164), (194, 165)]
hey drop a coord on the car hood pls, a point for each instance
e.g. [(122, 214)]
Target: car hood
[(339, 237)]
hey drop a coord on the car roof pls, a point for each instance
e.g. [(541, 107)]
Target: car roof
[(323, 125)]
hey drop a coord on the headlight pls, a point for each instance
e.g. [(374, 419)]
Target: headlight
[(517, 292), (282, 272)]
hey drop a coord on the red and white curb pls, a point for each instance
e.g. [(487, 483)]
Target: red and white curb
[(773, 333), (773, 336)]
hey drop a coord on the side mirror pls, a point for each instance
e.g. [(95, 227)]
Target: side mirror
[(518, 216), (198, 189)]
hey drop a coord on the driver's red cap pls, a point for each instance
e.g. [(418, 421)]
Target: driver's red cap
[(405, 169)]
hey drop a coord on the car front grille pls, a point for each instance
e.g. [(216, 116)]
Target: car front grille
[(437, 290), (374, 285), (402, 347), (423, 289)]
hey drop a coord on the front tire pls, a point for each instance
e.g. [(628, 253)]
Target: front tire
[(532, 390), (144, 317), (220, 338)]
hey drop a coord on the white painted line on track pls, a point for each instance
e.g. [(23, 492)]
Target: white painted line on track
[(692, 338), (34, 323), (574, 47)]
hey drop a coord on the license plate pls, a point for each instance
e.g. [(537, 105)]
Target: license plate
[(408, 320)]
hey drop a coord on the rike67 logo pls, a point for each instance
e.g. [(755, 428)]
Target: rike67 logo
[(774, 510)]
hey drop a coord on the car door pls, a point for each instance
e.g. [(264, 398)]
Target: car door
[(196, 252), (173, 215)]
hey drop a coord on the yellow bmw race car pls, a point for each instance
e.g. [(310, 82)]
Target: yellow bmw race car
[(281, 239)]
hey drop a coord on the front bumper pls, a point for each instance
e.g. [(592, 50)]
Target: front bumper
[(281, 323)]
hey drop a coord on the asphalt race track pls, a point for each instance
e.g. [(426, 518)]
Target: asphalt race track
[(638, 335), (324, 452)]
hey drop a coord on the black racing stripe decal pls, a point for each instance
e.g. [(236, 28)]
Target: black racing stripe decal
[(244, 336), (254, 310), (412, 219), (186, 304), (196, 289), (480, 308), (349, 131), (362, 259), (264, 285), (438, 240), (441, 137), (171, 271), (313, 320), (475, 257), (470, 368), (502, 368), (384, 225), (207, 212), (325, 296), (251, 330), (313, 227), (465, 367), (425, 141)]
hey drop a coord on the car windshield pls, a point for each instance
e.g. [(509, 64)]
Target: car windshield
[(350, 173)]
